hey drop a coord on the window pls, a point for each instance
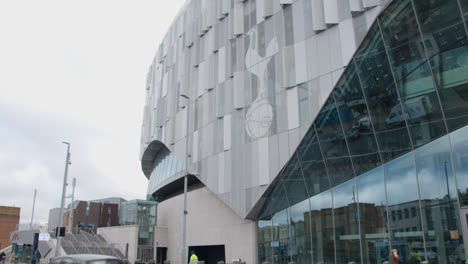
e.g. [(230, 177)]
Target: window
[(413, 211)]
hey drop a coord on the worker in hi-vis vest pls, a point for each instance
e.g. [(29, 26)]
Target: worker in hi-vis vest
[(193, 257)]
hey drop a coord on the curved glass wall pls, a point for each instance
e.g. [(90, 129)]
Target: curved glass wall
[(384, 165), (165, 165)]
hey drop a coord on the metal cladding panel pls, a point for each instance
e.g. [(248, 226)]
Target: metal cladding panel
[(241, 65)]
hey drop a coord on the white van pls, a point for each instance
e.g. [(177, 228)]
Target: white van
[(415, 108)]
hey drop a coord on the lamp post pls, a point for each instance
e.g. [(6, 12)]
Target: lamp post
[(64, 190), (185, 179)]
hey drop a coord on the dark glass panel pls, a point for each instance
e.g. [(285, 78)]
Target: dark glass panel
[(280, 241), (333, 143), (346, 222), (402, 194), (446, 41), (300, 249), (294, 181), (312, 164), (277, 200), (464, 5), (439, 203), (412, 74), (357, 124), (373, 217), (382, 97)]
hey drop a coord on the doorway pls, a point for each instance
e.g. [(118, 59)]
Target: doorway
[(209, 254)]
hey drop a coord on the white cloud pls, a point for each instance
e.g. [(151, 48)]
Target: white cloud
[(74, 71)]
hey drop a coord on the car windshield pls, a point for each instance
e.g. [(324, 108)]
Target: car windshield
[(105, 261)]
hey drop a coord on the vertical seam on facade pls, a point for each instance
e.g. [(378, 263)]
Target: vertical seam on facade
[(288, 208), (310, 208), (442, 110), (378, 149), (462, 16), (331, 190), (407, 128), (354, 172)]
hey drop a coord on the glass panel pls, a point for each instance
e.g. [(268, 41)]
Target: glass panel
[(321, 218), (346, 223), (356, 122), (439, 203), (447, 47), (402, 194), (300, 249), (460, 156), (264, 240), (294, 182), (412, 73), (280, 241), (379, 89), (333, 144), (277, 200), (312, 164), (373, 216)]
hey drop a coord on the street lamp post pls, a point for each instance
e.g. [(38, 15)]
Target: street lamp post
[(64, 190), (185, 180)]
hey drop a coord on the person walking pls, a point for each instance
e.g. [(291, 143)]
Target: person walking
[(193, 257), (394, 256)]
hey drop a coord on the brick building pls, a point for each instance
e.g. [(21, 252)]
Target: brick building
[(9, 218)]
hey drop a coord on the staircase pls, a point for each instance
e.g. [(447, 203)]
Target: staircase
[(87, 242)]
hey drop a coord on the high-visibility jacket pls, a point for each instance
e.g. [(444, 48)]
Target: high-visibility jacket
[(193, 258)]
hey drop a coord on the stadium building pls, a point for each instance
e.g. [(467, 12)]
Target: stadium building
[(310, 131)]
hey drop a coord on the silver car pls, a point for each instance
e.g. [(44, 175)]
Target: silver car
[(85, 259)]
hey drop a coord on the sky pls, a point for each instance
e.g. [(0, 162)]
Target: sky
[(74, 71)]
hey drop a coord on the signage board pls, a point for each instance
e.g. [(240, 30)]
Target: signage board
[(44, 236)]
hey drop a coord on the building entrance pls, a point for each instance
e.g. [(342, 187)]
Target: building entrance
[(209, 254)]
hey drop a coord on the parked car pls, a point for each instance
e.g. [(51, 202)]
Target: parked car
[(85, 259)]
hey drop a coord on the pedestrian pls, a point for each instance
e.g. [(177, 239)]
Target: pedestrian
[(394, 256), (2, 257), (193, 257)]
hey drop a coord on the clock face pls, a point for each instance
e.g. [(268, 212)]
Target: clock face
[(258, 119)]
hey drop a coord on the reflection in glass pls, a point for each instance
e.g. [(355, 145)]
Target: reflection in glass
[(312, 164), (447, 49), (321, 219), (280, 241), (439, 202), (382, 97), (460, 156), (264, 234), (332, 142), (300, 248), (402, 196), (373, 216), (346, 222), (294, 182), (358, 127)]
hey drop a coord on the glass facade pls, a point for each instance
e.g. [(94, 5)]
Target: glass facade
[(384, 164), (143, 214), (165, 165)]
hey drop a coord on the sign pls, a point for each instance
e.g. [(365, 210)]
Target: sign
[(44, 236)]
